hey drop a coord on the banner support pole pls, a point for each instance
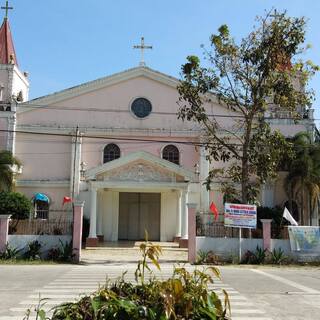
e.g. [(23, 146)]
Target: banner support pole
[(240, 240)]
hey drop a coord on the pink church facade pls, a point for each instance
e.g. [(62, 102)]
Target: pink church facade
[(117, 144)]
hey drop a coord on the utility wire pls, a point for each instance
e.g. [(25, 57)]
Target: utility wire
[(126, 110)]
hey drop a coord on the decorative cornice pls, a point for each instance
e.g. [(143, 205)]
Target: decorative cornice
[(112, 131), (140, 155), (139, 186), (43, 183)]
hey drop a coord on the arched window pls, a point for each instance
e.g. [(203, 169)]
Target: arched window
[(111, 152), (171, 153), (41, 206)]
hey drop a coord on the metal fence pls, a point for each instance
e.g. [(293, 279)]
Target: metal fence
[(41, 227), (208, 227)]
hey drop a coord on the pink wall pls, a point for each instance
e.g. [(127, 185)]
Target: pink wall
[(118, 97), (55, 195), (38, 153), (92, 150), (44, 157)]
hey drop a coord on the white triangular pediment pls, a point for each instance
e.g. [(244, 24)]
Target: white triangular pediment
[(96, 85), (140, 167)]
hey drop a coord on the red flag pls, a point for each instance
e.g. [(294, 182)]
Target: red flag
[(214, 210), (66, 200)]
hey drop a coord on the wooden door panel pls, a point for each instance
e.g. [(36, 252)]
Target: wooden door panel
[(139, 212)]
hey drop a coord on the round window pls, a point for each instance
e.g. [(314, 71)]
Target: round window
[(141, 107)]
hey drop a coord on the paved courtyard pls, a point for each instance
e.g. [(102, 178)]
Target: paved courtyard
[(257, 293)]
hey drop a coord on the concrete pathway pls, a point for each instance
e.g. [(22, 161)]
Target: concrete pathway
[(129, 252)]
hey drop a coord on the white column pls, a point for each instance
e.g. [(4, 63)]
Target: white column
[(204, 172), (93, 213), (178, 213), (11, 134), (99, 212), (184, 214)]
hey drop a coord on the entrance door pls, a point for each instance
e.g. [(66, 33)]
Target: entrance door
[(139, 212)]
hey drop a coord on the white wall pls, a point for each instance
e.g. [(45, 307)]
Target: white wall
[(227, 247), (48, 242)]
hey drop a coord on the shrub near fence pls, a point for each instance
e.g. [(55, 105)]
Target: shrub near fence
[(40, 227)]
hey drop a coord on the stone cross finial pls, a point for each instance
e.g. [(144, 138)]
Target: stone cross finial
[(142, 47)]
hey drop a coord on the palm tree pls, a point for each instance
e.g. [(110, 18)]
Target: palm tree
[(8, 164), (303, 180)]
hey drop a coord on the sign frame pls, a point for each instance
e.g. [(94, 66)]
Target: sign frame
[(243, 216)]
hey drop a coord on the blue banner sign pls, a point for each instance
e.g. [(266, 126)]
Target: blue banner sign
[(304, 238), (240, 215)]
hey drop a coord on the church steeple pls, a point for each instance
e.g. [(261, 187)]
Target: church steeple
[(7, 51)]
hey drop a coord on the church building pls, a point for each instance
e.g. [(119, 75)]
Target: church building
[(116, 144)]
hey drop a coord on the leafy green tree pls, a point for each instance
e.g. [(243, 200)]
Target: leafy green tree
[(302, 183), (259, 73), (16, 204), (7, 163)]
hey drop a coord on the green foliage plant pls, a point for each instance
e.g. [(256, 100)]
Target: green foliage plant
[(207, 257), (302, 183), (39, 310), (33, 250), (63, 253), (260, 255), (15, 204), (7, 163), (202, 257), (278, 256), (261, 75), (185, 295), (9, 253), (151, 252), (256, 257)]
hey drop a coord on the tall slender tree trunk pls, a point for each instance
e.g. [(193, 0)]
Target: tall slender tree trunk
[(302, 201), (245, 162), (244, 179)]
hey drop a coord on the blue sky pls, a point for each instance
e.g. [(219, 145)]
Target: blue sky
[(64, 43)]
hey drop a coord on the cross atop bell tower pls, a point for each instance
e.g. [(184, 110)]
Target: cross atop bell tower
[(142, 47), (7, 8)]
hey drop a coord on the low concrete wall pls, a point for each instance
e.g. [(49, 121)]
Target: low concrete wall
[(227, 247), (48, 242), (283, 244)]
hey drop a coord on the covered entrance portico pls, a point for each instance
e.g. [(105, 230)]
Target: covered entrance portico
[(137, 192)]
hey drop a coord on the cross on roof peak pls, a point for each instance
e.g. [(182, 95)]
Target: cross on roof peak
[(7, 8), (142, 47)]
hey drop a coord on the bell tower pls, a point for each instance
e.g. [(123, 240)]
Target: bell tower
[(14, 84)]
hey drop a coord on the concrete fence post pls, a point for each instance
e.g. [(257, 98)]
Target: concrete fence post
[(266, 230), (192, 250), (4, 230), (77, 229)]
